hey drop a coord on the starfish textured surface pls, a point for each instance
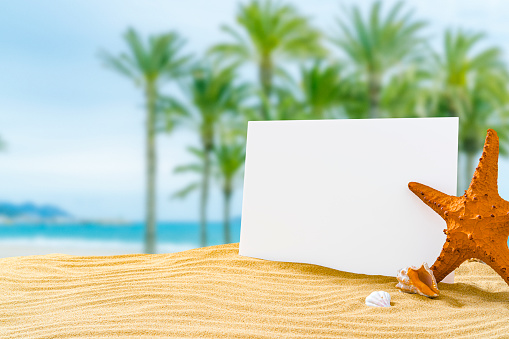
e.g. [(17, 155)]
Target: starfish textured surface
[(477, 222)]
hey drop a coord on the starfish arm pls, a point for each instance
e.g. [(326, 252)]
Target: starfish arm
[(497, 257), (438, 201), (499, 228), (447, 262), (486, 174)]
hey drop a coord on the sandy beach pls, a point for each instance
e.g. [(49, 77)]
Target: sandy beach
[(213, 292)]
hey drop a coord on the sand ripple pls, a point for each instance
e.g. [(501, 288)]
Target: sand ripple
[(212, 292)]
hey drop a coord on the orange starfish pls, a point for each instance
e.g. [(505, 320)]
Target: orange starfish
[(477, 222)]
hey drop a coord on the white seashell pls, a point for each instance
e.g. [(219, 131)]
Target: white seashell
[(418, 280), (379, 299)]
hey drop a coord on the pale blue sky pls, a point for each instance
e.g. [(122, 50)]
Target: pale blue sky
[(74, 129)]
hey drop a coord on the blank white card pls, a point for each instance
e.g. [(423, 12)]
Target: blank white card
[(335, 192)]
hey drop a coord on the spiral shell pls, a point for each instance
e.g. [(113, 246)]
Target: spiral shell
[(418, 280), (379, 299)]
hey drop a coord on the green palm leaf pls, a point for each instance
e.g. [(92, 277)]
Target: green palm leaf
[(379, 45), (271, 31), (184, 192), (472, 85), (158, 59), (322, 87)]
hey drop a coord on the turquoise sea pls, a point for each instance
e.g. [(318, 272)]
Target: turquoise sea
[(175, 235)]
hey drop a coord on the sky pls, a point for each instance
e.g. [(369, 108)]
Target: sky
[(74, 129)]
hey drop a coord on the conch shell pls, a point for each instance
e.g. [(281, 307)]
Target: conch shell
[(418, 280), (379, 299)]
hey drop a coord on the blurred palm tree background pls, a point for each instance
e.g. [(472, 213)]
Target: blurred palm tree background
[(377, 63), (149, 65)]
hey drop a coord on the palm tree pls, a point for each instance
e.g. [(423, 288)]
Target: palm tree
[(226, 163), (195, 167), (287, 106), (272, 30), (149, 64), (472, 85), (323, 88), (408, 94), (485, 110), (229, 159), (378, 45), (213, 93)]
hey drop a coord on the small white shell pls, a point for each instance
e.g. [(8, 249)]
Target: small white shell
[(379, 299)]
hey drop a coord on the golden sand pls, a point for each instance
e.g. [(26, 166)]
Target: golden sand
[(213, 292)]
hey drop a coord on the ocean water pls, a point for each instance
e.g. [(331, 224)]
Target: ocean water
[(125, 238)]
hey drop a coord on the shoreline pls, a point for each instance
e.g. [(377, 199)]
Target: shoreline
[(105, 222), (16, 247)]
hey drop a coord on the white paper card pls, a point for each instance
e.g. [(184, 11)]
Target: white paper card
[(335, 192)]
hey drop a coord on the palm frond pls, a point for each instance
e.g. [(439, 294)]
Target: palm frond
[(138, 51), (228, 157), (321, 86), (184, 192), (195, 168), (377, 42), (199, 153), (120, 64), (269, 30), (171, 113), (473, 86), (157, 59)]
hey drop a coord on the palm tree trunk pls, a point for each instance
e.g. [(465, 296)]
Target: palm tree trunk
[(204, 195), (151, 163), (226, 213), (266, 71), (374, 96)]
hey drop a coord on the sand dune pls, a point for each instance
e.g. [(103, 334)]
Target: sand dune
[(212, 292)]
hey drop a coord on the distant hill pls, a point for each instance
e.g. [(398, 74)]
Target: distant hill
[(30, 210)]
